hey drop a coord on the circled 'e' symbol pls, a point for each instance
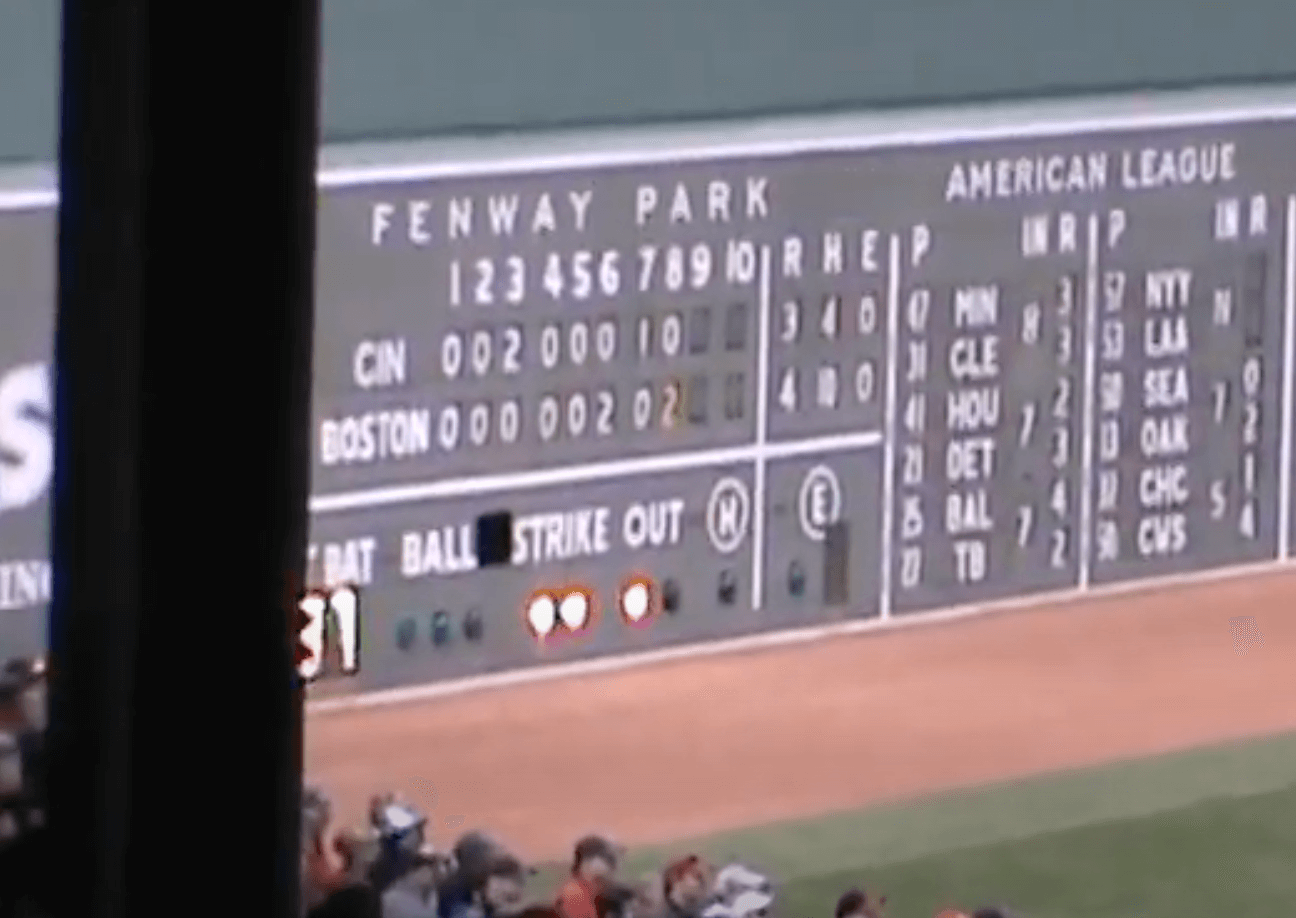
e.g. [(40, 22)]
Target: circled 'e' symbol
[(820, 502)]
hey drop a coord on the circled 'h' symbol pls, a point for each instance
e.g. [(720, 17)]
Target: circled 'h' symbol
[(728, 515)]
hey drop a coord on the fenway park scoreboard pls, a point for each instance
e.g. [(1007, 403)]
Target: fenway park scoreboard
[(609, 394)]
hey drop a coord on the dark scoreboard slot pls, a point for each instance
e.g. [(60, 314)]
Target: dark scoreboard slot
[(494, 541), (836, 564), (1255, 295)]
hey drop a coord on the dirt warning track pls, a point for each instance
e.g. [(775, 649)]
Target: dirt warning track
[(696, 746)]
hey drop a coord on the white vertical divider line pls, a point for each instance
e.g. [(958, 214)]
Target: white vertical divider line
[(1288, 384), (765, 295), (889, 427), (1084, 571)]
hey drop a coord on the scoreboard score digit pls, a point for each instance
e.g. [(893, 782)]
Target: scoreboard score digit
[(317, 610)]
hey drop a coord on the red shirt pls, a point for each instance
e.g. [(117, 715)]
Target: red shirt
[(576, 898)]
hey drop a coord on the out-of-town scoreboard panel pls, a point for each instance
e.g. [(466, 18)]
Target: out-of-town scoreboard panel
[(600, 399)]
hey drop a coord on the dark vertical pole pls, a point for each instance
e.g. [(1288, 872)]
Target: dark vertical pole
[(97, 550), (186, 231)]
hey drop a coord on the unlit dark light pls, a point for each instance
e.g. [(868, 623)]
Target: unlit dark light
[(440, 628), (671, 596), (796, 580), (406, 632), (727, 588), (473, 625)]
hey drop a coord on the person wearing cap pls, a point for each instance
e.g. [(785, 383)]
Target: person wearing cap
[(594, 861), (472, 855), (401, 835)]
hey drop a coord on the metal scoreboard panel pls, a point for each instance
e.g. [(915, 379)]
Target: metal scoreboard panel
[(930, 374), (841, 375), (26, 438)]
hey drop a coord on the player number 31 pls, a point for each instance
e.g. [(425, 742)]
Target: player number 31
[(314, 608)]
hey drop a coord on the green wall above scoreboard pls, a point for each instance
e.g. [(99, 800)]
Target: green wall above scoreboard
[(414, 68)]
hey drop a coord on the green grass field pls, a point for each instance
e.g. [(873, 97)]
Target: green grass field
[(1209, 833)]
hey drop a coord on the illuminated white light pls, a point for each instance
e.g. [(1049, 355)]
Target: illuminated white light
[(541, 615), (634, 601), (574, 610)]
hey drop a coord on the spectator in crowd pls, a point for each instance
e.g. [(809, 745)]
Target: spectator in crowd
[(474, 851), (11, 867), (391, 871), (738, 891), (472, 856), (23, 686), (11, 771), (499, 894), (617, 899), (23, 843), (400, 831), (685, 888), (414, 895), (28, 677), (856, 903), (319, 872), (614, 901), (408, 870), (334, 883), (594, 862)]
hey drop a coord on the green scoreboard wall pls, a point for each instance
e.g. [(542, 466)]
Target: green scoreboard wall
[(416, 68)]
